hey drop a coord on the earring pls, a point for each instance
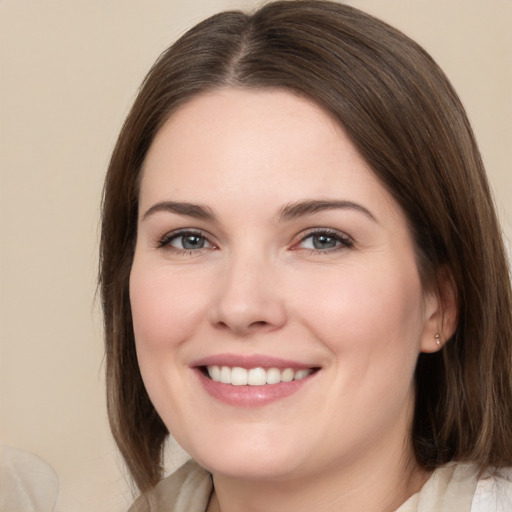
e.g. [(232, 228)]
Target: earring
[(438, 339)]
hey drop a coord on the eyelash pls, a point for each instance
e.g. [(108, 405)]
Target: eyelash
[(342, 241), (166, 241)]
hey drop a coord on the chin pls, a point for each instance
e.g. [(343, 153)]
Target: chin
[(263, 469), (250, 458)]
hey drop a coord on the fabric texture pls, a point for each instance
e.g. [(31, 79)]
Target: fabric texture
[(187, 490), (494, 492), (27, 482), (451, 488)]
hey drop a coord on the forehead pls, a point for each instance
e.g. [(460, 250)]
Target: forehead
[(258, 150), (228, 122)]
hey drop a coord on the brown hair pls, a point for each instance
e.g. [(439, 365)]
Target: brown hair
[(407, 122)]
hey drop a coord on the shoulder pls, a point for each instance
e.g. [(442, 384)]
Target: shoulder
[(494, 492), (186, 490), (27, 482)]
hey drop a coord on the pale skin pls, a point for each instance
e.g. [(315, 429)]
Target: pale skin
[(262, 231)]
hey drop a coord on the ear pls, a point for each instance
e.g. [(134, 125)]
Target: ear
[(441, 311)]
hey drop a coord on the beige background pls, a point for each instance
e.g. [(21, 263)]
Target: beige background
[(69, 72)]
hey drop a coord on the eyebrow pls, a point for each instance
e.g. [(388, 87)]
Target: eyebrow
[(189, 209), (289, 212), (312, 206)]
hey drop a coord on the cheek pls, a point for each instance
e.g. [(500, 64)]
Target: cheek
[(165, 310), (367, 311), (371, 322), (165, 306)]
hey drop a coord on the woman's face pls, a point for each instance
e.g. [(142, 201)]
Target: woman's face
[(268, 251)]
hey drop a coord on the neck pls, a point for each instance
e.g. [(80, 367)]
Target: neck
[(367, 486)]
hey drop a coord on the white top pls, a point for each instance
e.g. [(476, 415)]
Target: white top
[(457, 488), (494, 493), (27, 482), (451, 488)]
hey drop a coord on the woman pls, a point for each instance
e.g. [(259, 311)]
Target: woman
[(303, 277)]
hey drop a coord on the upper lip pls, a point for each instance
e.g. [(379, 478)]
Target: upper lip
[(250, 361)]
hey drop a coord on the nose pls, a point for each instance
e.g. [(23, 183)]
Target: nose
[(250, 299)]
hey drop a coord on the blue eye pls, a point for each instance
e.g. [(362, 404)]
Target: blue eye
[(325, 241), (185, 241)]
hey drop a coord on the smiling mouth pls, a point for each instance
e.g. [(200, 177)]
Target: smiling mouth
[(237, 376)]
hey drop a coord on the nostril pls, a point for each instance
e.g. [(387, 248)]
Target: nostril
[(252, 325), (243, 328), (260, 323)]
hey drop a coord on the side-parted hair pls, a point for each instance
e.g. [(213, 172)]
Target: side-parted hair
[(402, 114)]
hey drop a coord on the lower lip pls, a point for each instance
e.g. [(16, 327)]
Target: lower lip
[(250, 396)]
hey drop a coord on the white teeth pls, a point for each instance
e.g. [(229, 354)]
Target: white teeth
[(214, 372), (301, 374), (287, 375), (238, 376), (273, 376), (255, 376), (225, 375)]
